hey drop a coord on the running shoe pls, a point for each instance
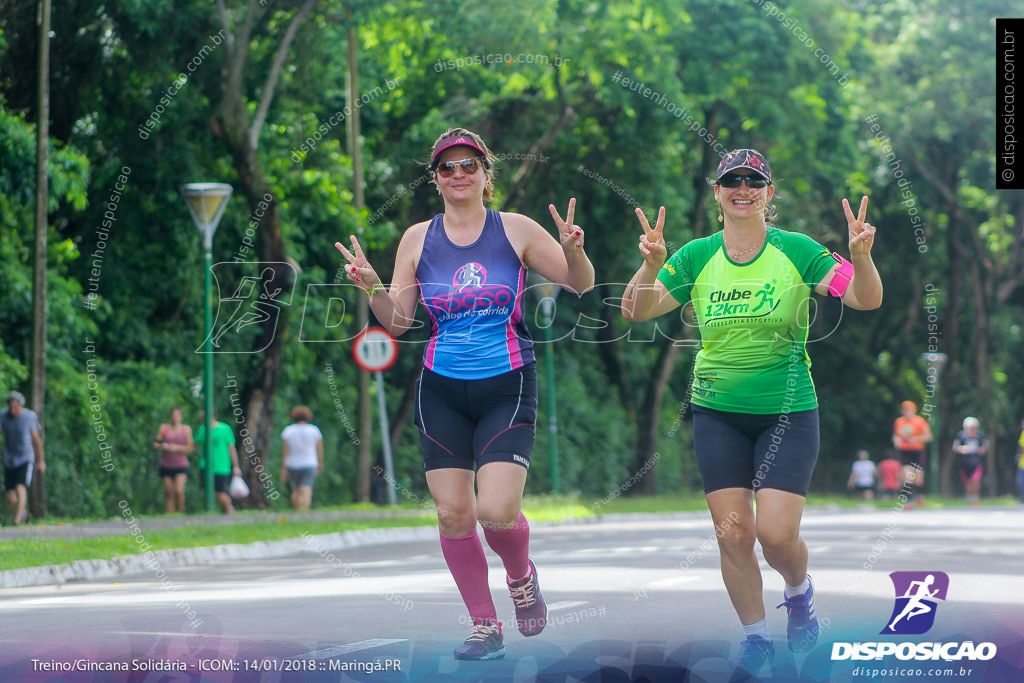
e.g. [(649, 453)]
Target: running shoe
[(485, 641), (531, 610), (802, 630), (754, 653)]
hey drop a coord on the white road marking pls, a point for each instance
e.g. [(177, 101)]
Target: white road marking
[(341, 650), (674, 581), (564, 604)]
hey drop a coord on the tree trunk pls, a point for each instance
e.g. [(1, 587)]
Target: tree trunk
[(647, 441), (608, 347), (231, 122), (668, 353), (951, 376), (260, 387), (37, 395)]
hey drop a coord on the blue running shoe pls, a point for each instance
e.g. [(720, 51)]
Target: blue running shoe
[(802, 631), (485, 641), (754, 653)]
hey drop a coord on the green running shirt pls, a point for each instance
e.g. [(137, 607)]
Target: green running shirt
[(753, 320)]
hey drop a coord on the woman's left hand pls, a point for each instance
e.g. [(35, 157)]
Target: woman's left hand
[(862, 234), (569, 235)]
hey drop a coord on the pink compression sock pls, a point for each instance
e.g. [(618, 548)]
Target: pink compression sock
[(466, 561), (512, 546)]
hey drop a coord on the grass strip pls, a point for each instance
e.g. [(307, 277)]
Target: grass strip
[(36, 552)]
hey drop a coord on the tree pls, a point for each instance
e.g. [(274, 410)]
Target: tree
[(240, 129)]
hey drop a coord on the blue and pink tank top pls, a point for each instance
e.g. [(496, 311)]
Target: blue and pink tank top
[(473, 296)]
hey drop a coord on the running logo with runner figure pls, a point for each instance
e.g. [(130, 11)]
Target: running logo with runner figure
[(916, 595), (472, 275)]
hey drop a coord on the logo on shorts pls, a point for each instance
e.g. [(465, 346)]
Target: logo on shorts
[(521, 460), (470, 275), (916, 595)]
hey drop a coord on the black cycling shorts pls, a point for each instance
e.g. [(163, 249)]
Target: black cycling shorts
[(740, 450), (467, 422)]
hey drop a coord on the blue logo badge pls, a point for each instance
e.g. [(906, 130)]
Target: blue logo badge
[(916, 596)]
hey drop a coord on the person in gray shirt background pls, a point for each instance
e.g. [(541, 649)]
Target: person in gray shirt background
[(22, 453)]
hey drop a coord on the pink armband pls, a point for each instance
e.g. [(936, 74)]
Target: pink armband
[(842, 277)]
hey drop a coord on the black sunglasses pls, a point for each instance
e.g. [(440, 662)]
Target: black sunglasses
[(754, 182), (469, 167)]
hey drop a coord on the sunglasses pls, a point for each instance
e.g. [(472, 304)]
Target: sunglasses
[(754, 182), (469, 167)]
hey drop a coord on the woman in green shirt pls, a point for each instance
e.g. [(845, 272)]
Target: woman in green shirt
[(755, 417)]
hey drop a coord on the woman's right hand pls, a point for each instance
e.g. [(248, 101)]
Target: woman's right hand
[(359, 269), (652, 242)]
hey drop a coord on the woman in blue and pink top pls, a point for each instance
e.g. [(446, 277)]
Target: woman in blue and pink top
[(476, 402)]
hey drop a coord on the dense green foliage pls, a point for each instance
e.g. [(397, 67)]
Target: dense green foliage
[(802, 81)]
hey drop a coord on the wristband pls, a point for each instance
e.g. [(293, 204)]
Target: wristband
[(841, 279), (376, 288)]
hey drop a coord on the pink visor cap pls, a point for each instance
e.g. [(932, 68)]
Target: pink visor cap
[(453, 141)]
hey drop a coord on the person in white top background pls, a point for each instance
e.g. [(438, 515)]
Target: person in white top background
[(862, 476), (303, 456)]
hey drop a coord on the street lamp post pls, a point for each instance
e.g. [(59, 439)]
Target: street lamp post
[(206, 202), (547, 291), (936, 361)]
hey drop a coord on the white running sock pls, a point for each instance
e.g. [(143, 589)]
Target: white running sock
[(758, 628), (798, 590)]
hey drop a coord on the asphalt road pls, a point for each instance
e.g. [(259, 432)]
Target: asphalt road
[(628, 601)]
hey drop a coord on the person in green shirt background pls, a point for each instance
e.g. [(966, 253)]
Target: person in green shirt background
[(755, 417), (225, 457)]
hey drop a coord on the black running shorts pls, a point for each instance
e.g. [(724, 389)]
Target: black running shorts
[(740, 450), (463, 422), (912, 458), (18, 476), (221, 482), (172, 472)]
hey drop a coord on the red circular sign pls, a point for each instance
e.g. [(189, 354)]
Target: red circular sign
[(375, 350)]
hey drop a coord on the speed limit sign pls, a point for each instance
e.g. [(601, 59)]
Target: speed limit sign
[(375, 349)]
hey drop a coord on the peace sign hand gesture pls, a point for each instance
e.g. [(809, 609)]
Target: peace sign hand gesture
[(862, 234), (652, 242), (358, 269), (570, 236)]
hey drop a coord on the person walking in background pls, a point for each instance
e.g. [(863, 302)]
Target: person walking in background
[(302, 457), (910, 435), (862, 476), (223, 458), (889, 475), (755, 412), (476, 400), (174, 441), (23, 453), (971, 444)]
